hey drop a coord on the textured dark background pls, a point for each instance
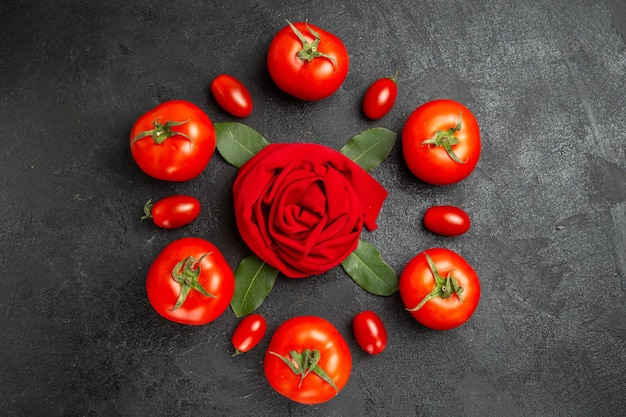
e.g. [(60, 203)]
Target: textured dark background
[(546, 81)]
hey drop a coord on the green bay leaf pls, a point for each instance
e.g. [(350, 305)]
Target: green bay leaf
[(370, 147), (237, 142), (366, 267), (254, 279)]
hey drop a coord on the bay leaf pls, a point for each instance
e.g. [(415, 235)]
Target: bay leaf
[(366, 267), (237, 142), (254, 279), (370, 147)]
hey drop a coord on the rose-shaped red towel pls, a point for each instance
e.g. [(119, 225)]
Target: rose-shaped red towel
[(301, 207)]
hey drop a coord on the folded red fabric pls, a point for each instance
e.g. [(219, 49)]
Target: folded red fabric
[(301, 207)]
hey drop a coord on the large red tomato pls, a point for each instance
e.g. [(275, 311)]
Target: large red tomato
[(307, 62), (190, 282), (440, 289), (441, 142), (174, 141), (307, 360)]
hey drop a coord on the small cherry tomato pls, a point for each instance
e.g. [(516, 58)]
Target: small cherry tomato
[(370, 332), (446, 220), (439, 288), (173, 211), (248, 333), (380, 97), (232, 95)]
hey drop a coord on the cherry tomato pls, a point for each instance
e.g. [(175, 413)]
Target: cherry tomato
[(232, 95), (190, 282), (441, 142), (307, 360), (440, 289), (174, 141), (248, 333), (173, 211), (380, 97), (446, 220), (307, 62), (370, 332)]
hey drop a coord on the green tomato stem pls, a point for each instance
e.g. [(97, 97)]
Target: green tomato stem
[(309, 51), (306, 362), (161, 131), (446, 139), (187, 273), (444, 287)]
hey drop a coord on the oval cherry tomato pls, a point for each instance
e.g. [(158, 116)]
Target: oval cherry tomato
[(248, 333), (441, 142), (232, 95), (446, 220), (190, 282), (307, 62), (173, 211), (380, 97), (307, 360), (439, 288), (174, 141), (370, 332)]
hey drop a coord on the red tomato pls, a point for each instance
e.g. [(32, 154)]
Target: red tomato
[(307, 361), (380, 97), (441, 142), (307, 62), (232, 95), (173, 142), (172, 212), (190, 282), (446, 220), (440, 289), (370, 332), (248, 333)]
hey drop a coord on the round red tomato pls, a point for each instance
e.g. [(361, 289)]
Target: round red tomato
[(446, 220), (307, 360), (248, 333), (307, 62), (440, 289), (369, 331), (441, 142), (232, 95), (380, 97), (190, 282), (174, 141), (173, 211)]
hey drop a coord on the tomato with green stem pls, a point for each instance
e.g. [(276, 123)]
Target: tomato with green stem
[(190, 282), (173, 211), (248, 333), (307, 360), (173, 142), (307, 62), (380, 97), (439, 288), (232, 95), (441, 142)]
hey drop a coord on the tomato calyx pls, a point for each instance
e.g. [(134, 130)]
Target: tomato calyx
[(186, 273), (309, 51), (444, 287), (305, 362), (446, 138), (147, 209), (161, 131)]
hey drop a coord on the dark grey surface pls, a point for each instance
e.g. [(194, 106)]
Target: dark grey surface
[(546, 80)]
